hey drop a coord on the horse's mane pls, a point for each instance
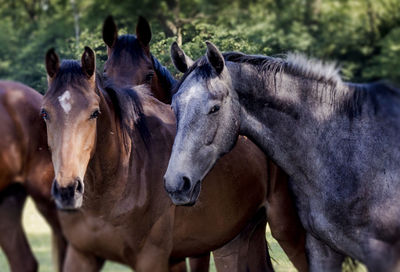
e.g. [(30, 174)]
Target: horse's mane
[(325, 74), (294, 64), (164, 76), (128, 110), (126, 102)]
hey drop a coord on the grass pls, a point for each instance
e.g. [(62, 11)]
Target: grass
[(39, 238)]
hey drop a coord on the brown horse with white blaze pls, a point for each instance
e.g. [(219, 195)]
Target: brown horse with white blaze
[(25, 169), (110, 149), (130, 63)]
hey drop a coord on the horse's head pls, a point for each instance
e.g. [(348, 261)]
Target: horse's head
[(70, 109), (207, 120), (129, 61)]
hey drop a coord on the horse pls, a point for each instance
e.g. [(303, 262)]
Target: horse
[(130, 62), (25, 169), (338, 142), (110, 148)]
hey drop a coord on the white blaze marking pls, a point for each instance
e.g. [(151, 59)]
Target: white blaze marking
[(65, 102)]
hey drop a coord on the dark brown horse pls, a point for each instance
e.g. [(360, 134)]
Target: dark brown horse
[(25, 167), (129, 61), (110, 148)]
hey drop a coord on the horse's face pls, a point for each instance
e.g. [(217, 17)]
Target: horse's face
[(207, 125), (70, 109), (129, 61)]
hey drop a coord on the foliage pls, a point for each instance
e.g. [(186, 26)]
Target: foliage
[(362, 36)]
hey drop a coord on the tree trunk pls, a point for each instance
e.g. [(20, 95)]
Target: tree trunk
[(76, 22)]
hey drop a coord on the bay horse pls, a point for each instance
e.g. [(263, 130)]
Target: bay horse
[(25, 168), (338, 142), (130, 63), (110, 148)]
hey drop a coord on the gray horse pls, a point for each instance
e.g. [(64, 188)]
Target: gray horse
[(338, 141)]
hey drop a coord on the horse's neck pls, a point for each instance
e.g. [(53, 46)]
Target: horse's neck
[(162, 87), (107, 172), (283, 120), (123, 175)]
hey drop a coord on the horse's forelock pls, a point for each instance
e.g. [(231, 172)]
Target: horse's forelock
[(69, 74), (129, 44)]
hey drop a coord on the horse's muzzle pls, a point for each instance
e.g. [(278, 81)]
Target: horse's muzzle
[(69, 197), (182, 192)]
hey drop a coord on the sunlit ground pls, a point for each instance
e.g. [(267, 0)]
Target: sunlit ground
[(39, 238)]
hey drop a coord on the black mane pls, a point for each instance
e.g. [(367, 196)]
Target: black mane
[(164, 76), (129, 111)]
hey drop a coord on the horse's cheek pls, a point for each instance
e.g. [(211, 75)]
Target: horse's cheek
[(211, 133)]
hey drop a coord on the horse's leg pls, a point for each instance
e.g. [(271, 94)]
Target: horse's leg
[(154, 259), (200, 263), (12, 237), (248, 251), (283, 220), (179, 266), (197, 264), (322, 257), (78, 261), (49, 212), (155, 254), (38, 187)]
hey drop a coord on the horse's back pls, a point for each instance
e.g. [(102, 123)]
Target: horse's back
[(18, 105)]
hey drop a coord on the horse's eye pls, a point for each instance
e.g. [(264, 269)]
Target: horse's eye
[(44, 114), (95, 114), (214, 109), (149, 77)]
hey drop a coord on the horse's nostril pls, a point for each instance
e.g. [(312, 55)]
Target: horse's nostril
[(186, 184), (79, 186)]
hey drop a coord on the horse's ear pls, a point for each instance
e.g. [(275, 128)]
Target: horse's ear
[(179, 58), (110, 31), (88, 62), (143, 31), (215, 58), (52, 64)]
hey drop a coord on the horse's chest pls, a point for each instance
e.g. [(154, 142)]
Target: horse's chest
[(96, 236)]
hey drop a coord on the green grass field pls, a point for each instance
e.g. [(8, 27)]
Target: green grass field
[(39, 238)]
